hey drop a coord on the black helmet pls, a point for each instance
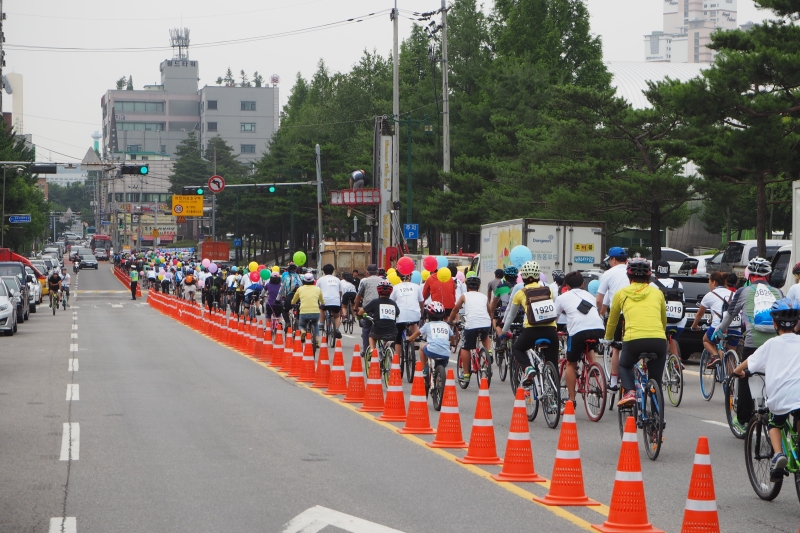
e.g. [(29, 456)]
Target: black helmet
[(638, 268), (473, 282)]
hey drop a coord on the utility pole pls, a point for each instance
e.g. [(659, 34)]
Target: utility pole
[(396, 111), (319, 207), (214, 204), (445, 110), (2, 55)]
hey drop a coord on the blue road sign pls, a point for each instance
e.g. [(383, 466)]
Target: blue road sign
[(105, 222), (410, 231), (201, 237), (19, 219), (237, 243)]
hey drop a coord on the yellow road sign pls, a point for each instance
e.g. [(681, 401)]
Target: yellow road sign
[(187, 205), (155, 233), (584, 247)]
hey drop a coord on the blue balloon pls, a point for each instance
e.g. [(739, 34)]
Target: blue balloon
[(416, 277), (442, 261), (520, 255)]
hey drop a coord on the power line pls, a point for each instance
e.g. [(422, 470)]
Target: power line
[(60, 119), (59, 153)]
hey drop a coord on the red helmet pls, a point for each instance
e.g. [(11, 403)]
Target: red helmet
[(796, 269), (435, 309), (384, 287)]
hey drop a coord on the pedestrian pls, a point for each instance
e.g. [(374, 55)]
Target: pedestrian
[(134, 282)]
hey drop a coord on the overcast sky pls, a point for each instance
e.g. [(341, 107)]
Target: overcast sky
[(63, 88)]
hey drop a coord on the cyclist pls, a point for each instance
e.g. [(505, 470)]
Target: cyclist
[(152, 281), (558, 288), (502, 297), (438, 334), (754, 303), (613, 279), (645, 314), (367, 292), (409, 300), (794, 291), (539, 326), (440, 292), (348, 290), (251, 299), (274, 305), (214, 284), (166, 281), (498, 279), (310, 298), (384, 313), (190, 285), (777, 359), (65, 279), (583, 323), (477, 322), (290, 282), (54, 284), (717, 298), (675, 300), (332, 294)]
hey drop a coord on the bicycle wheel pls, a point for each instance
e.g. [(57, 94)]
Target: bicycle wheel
[(437, 391), (485, 365), (730, 407), (330, 330), (551, 404), (463, 383), (54, 305), (515, 378), (563, 393), (502, 360), (673, 379), (386, 364), (797, 484), (594, 395), (708, 377), (758, 454), (729, 362), (653, 423), (410, 358)]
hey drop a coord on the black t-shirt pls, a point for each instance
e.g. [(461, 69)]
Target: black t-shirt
[(54, 280), (385, 312)]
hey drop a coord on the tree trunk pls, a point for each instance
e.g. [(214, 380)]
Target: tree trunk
[(433, 242), (655, 234), (761, 216), (728, 224)]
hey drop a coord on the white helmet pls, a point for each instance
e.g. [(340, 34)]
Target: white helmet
[(759, 266), (530, 269)]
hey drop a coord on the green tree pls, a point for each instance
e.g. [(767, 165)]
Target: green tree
[(129, 87), (258, 79), (245, 81), (190, 168), (122, 83), (21, 195), (219, 80), (228, 79)]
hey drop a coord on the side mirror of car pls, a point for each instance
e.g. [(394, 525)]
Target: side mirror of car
[(30, 278)]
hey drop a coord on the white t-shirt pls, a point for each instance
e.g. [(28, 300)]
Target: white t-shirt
[(151, 274), (794, 293), (477, 316), (714, 301), (345, 286), (329, 285), (555, 289), (407, 296), (669, 283), (567, 306), (246, 281), (779, 360), (614, 279), (461, 288), (230, 281)]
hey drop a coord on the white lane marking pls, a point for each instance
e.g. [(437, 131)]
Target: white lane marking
[(74, 336), (73, 347), (723, 424), (73, 392), (350, 336), (691, 372), (74, 327), (67, 525), (71, 436), (318, 518), (73, 365), (116, 305)]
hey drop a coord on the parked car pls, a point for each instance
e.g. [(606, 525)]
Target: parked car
[(16, 270), (20, 297), (34, 289), (8, 311), (782, 264), (694, 288), (739, 253), (88, 261), (697, 264)]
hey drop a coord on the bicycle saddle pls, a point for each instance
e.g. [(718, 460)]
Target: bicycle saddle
[(542, 342), (648, 356)]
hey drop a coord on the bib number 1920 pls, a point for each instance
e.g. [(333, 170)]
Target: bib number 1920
[(545, 310)]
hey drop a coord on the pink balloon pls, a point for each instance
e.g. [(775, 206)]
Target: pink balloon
[(206, 262), (430, 263), (460, 276)]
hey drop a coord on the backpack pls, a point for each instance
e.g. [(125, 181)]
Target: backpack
[(540, 306), (761, 298), (736, 321), (673, 296)]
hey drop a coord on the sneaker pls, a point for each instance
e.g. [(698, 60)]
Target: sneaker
[(337, 334), (776, 466), (712, 362), (530, 373), (614, 385), (627, 399), (425, 371), (738, 426)]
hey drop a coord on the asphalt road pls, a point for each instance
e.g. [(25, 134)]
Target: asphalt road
[(174, 432)]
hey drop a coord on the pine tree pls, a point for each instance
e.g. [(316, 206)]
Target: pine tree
[(258, 79), (130, 83), (245, 81), (228, 79), (121, 83)]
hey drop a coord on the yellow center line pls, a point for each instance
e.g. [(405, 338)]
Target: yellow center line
[(511, 487)]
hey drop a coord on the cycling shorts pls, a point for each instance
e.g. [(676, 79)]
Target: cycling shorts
[(348, 298), (576, 344), (471, 337), (436, 356), (778, 421), (731, 342), (401, 327), (332, 309), (65, 289), (275, 309)]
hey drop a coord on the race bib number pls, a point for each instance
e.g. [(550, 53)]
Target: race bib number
[(544, 311), (736, 323), (440, 332), (675, 310), (386, 312)]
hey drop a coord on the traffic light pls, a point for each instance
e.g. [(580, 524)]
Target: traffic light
[(200, 190), (43, 169), (271, 188), (140, 170)]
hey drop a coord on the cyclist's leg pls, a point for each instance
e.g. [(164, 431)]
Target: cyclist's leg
[(524, 342), (423, 356), (575, 347), (66, 291), (366, 329), (744, 400), (470, 343), (776, 423), (708, 345), (616, 352), (398, 341)]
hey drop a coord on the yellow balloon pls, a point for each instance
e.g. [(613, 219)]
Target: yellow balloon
[(394, 279), (160, 277), (276, 268), (253, 266), (391, 272), (179, 265), (444, 275), (425, 275)]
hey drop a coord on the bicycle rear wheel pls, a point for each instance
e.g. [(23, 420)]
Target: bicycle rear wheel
[(562, 391), (410, 360), (330, 331), (551, 404), (462, 382), (673, 379), (437, 391), (386, 364), (653, 423), (484, 365), (594, 395), (708, 377), (730, 407), (502, 359), (758, 454)]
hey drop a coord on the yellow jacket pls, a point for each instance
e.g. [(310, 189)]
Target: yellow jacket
[(310, 297), (645, 313)]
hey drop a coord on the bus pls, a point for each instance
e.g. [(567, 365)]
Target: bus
[(101, 246)]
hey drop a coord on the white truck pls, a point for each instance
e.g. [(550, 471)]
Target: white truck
[(555, 244)]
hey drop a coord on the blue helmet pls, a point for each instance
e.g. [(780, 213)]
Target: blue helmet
[(234, 269), (786, 312), (511, 271)]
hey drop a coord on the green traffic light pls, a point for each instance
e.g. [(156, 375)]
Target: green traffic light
[(199, 191), (144, 169), (272, 189)]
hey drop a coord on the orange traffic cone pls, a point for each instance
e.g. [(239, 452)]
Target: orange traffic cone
[(258, 346), (355, 388), (338, 380), (518, 461), (373, 396), (395, 409), (482, 447), (277, 347), (307, 367), (566, 488), (418, 422), (323, 375), (628, 509), (266, 346), (249, 337), (700, 515), (297, 357), (288, 351), (448, 432)]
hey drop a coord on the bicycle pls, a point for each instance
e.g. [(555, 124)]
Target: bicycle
[(480, 364), (435, 381), (709, 377), (54, 297), (731, 388), (605, 350), (385, 354), (63, 299), (348, 320), (648, 409), (306, 329), (408, 355), (590, 383), (543, 388), (759, 452), (329, 329), (672, 381)]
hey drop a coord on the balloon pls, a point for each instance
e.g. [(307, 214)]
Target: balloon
[(175, 262), (261, 267), (471, 273), (299, 258), (542, 278), (200, 284), (519, 255), (206, 262), (430, 264), (444, 275), (160, 277), (460, 276), (264, 274), (391, 272), (179, 264), (441, 261), (276, 268), (213, 268), (425, 275), (519, 278), (394, 279), (416, 277), (253, 276), (405, 265), (252, 266)]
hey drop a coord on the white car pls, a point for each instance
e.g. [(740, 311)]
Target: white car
[(674, 257), (34, 290), (8, 312)]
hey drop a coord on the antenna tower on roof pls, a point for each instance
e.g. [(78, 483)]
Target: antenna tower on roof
[(179, 40)]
